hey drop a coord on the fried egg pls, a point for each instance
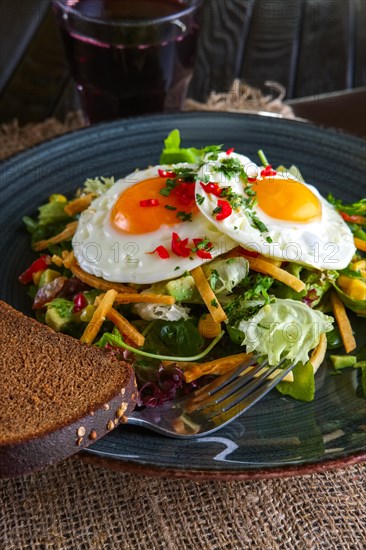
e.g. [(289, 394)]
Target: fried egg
[(289, 221), (119, 237)]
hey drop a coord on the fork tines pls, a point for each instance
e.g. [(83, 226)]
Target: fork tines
[(235, 392)]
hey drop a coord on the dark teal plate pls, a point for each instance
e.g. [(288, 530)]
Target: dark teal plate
[(279, 436)]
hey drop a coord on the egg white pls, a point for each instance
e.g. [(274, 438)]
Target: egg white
[(324, 244), (117, 256)]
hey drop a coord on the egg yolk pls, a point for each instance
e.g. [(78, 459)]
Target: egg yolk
[(129, 216), (287, 200)]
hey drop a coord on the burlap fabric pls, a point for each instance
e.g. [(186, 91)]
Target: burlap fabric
[(82, 506)]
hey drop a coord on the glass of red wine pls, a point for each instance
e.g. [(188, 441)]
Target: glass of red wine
[(129, 57)]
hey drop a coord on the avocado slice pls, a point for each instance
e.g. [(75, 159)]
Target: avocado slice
[(48, 276), (183, 289), (59, 314), (343, 361)]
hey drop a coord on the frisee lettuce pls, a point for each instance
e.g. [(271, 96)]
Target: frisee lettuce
[(284, 328), (98, 186), (225, 274)]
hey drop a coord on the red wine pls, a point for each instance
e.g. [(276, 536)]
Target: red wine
[(123, 70)]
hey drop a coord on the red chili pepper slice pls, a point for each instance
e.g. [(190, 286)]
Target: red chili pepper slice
[(179, 246), (212, 188), (162, 252), (229, 151), (359, 220), (226, 210), (203, 252), (149, 202), (166, 173), (251, 180), (185, 193), (268, 171), (38, 265)]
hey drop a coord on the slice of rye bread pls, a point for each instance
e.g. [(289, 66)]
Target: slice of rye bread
[(57, 395)]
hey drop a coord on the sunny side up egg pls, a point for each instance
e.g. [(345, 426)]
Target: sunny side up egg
[(301, 225), (134, 234)]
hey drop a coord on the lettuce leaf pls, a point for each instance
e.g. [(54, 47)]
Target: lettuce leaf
[(174, 153), (182, 338), (355, 209), (98, 186), (284, 328), (317, 283), (52, 212), (225, 275), (150, 312), (303, 385)]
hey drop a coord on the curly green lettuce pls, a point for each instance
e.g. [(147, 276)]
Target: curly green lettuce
[(284, 328), (225, 274)]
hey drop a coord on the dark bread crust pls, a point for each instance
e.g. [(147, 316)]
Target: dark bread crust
[(57, 395)]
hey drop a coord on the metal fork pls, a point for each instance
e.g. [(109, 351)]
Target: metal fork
[(215, 405)]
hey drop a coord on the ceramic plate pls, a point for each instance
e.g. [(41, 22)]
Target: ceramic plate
[(279, 436)]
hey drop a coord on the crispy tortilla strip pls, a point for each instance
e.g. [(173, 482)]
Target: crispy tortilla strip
[(78, 205), (268, 268), (68, 258), (67, 233), (208, 296), (125, 327), (272, 261), (343, 322), (193, 371), (318, 354), (360, 244), (135, 297), (99, 317), (97, 282)]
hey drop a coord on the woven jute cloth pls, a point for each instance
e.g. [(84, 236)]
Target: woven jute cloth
[(82, 506)]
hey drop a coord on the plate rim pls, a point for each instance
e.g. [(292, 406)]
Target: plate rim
[(135, 119), (186, 473), (289, 471)]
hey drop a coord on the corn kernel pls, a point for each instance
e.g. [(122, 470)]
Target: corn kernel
[(57, 198), (357, 266), (357, 290), (57, 260), (343, 282)]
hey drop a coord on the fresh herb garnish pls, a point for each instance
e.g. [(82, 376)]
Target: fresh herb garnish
[(232, 167), (200, 199), (217, 210), (184, 216)]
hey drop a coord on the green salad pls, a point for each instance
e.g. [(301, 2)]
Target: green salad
[(186, 268)]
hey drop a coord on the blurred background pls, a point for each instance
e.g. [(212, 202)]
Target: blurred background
[(311, 47)]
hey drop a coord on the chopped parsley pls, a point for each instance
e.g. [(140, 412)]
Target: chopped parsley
[(232, 167), (199, 199), (184, 216), (214, 278), (217, 210)]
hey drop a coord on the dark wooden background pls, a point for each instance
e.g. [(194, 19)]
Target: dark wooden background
[(309, 46)]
